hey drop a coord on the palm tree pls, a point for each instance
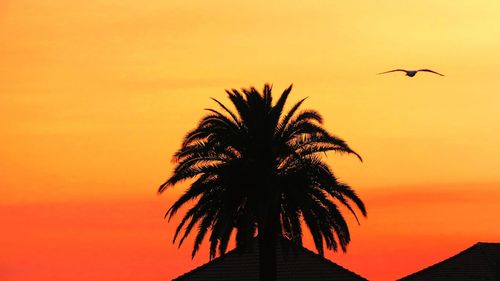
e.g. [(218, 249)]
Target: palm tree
[(259, 171)]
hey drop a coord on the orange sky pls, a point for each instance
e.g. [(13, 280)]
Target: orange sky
[(96, 96)]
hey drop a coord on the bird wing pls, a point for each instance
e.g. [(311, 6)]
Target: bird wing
[(432, 71), (393, 71)]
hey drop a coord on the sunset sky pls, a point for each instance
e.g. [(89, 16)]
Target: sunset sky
[(95, 97)]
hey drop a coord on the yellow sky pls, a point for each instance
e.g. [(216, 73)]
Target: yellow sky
[(95, 96), (95, 91)]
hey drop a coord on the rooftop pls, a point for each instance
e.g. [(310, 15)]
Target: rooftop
[(296, 263), (479, 262)]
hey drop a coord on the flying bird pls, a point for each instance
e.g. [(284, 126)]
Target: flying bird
[(412, 73)]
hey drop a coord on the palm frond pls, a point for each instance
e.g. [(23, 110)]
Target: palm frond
[(254, 160), (286, 119), (233, 116), (280, 104)]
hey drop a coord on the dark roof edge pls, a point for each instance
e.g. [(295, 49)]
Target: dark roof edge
[(235, 251), (478, 244), (214, 261), (322, 258), (493, 263), (488, 243)]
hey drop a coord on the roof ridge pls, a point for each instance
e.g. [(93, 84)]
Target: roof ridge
[(486, 256), (494, 243), (477, 246), (439, 262), (249, 249), (210, 262), (320, 257)]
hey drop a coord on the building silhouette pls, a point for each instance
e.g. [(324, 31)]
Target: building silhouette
[(294, 263), (481, 262)]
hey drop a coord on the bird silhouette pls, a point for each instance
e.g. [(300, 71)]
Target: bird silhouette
[(412, 73)]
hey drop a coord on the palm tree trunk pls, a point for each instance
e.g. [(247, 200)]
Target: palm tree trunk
[(267, 255), (268, 234)]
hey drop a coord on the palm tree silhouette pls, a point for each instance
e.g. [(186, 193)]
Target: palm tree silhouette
[(259, 171)]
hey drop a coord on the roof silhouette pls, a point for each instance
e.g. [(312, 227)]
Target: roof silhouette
[(480, 262), (294, 263)]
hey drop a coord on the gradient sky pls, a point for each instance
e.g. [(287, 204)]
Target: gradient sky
[(96, 96)]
